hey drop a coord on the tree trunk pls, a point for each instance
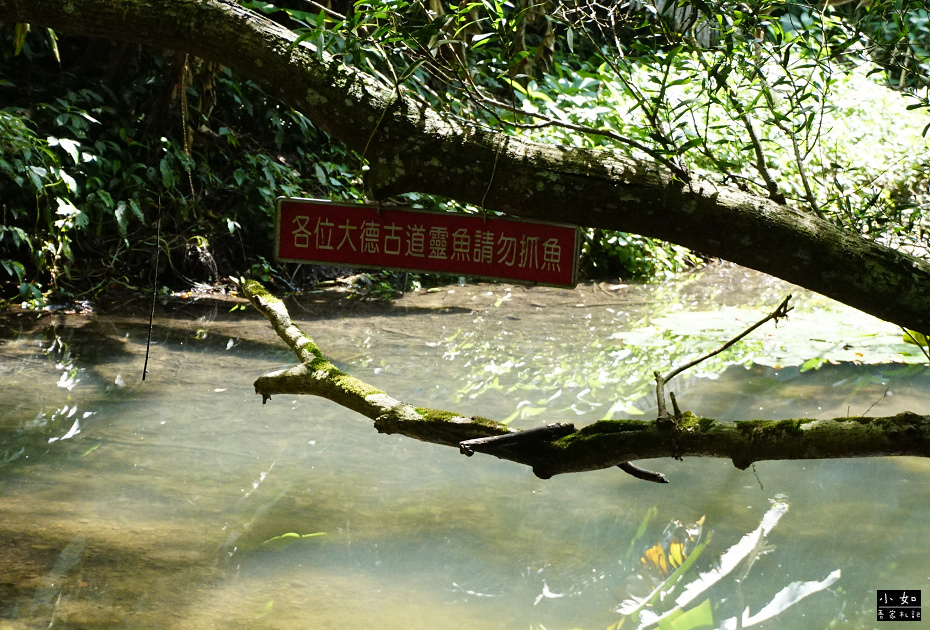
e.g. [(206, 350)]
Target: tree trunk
[(411, 148)]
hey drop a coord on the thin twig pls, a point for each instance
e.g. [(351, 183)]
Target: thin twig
[(326, 9), (486, 102), (798, 158), (483, 102), (924, 349), (675, 408), (497, 154), (651, 112), (778, 313), (887, 389), (148, 341), (770, 184), (395, 96)]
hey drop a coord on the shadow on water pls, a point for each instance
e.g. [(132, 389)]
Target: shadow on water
[(183, 502)]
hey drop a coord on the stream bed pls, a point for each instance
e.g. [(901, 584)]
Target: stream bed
[(182, 502)]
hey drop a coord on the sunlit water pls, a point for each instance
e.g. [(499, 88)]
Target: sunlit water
[(129, 504)]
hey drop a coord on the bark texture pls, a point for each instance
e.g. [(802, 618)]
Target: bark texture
[(414, 149), (560, 448)]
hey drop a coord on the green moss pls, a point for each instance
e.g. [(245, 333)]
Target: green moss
[(880, 424), (310, 347), (599, 428), (343, 381), (258, 290), (613, 426), (690, 422), (488, 422), (322, 365), (772, 429), (441, 415), (901, 422), (590, 439), (351, 384), (436, 415)]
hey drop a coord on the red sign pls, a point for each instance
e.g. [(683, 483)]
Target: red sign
[(322, 232)]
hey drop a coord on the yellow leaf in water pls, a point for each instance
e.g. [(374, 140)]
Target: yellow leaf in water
[(677, 543), (676, 553), (654, 557)]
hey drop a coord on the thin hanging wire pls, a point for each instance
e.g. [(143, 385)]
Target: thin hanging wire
[(148, 342)]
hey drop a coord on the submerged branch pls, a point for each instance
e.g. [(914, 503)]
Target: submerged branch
[(560, 448)]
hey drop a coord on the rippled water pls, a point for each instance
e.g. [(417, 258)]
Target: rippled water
[(166, 503)]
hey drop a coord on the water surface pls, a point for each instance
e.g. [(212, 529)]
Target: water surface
[(162, 504)]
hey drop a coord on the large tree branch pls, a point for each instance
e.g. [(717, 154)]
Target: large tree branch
[(413, 148), (560, 448)]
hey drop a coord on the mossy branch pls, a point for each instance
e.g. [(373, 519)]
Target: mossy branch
[(316, 376), (560, 448)]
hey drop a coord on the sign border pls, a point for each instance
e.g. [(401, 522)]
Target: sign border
[(327, 202)]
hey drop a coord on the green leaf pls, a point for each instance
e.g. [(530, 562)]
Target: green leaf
[(687, 146), (651, 513), (70, 147), (14, 268), (304, 36), (69, 181), (29, 291), (53, 43), (701, 616), (91, 449), (136, 210), (516, 85), (813, 364), (19, 37), (167, 175), (121, 220)]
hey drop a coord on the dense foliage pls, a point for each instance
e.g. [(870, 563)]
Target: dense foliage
[(124, 144), (108, 151)]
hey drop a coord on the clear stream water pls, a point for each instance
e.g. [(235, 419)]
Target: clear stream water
[(166, 503)]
